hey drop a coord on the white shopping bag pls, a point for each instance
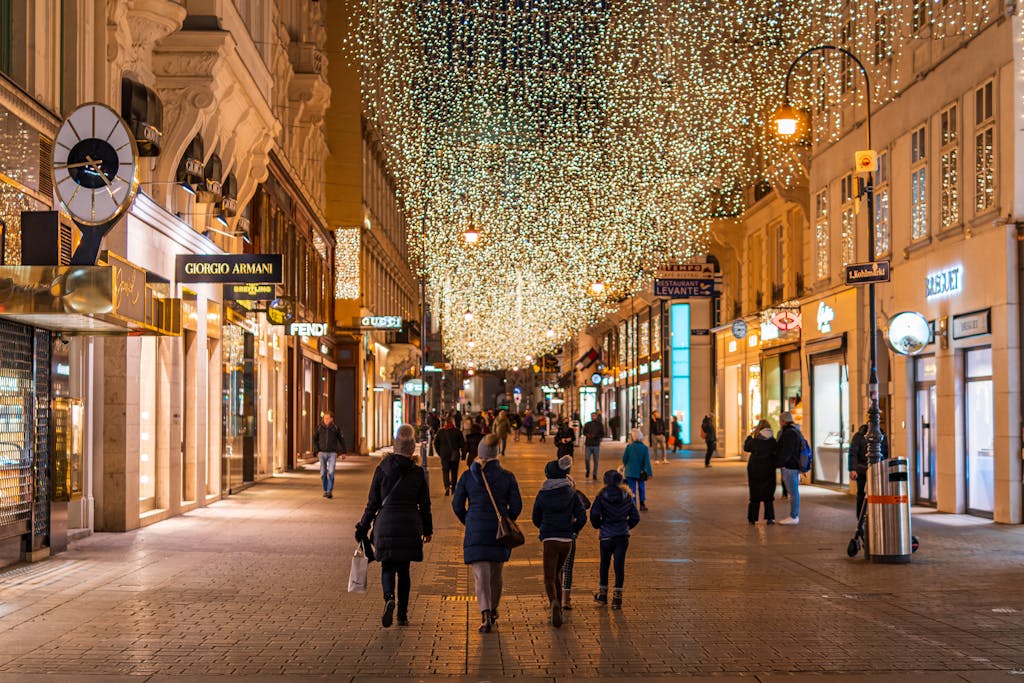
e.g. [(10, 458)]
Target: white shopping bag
[(357, 575)]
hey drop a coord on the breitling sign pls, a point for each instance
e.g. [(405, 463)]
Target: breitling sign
[(229, 268)]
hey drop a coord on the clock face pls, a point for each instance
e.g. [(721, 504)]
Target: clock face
[(94, 171)]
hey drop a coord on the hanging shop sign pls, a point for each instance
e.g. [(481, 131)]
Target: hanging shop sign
[(948, 282), (281, 311), (263, 292), (308, 329), (785, 319), (687, 270), (867, 273), (973, 324), (381, 322), (908, 333), (739, 329), (230, 268), (684, 289), (414, 387), (596, 378)]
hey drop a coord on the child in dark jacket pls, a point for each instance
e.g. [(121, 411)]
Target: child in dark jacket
[(559, 515), (613, 514)]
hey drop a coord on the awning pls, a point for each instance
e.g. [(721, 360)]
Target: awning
[(112, 300)]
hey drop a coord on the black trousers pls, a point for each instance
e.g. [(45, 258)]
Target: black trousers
[(450, 472), (613, 552), (710, 451), (390, 572), (862, 481)]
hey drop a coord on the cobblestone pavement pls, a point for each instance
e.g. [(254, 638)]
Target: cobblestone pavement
[(254, 588)]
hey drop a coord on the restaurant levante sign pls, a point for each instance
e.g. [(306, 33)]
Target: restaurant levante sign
[(229, 268)]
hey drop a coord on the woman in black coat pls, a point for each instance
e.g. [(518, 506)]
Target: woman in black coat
[(761, 472), (565, 440), (398, 509)]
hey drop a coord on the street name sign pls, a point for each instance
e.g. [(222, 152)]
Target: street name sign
[(867, 273)]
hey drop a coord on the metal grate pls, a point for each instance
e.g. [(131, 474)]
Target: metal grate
[(458, 598), (45, 168), (16, 425), (41, 361)]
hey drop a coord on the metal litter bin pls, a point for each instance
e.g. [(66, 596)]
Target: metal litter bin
[(888, 499)]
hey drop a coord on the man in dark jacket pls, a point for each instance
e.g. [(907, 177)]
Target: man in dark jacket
[(327, 444), (476, 435), (615, 424), (857, 460), (565, 439), (659, 432), (559, 515), (397, 515), (788, 458), (593, 433), (707, 428), (449, 445)]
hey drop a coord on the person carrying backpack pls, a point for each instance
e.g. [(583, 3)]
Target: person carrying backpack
[(792, 450)]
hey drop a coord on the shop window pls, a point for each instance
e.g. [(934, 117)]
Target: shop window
[(984, 149), (979, 414), (680, 347), (149, 381), (645, 339), (830, 419), (821, 234), (883, 243), (848, 220), (881, 44), (918, 185), (949, 198), (921, 15), (655, 334)]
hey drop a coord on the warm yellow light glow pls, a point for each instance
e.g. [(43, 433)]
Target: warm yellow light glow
[(468, 316), (550, 334), (471, 235), (597, 288), (789, 122)]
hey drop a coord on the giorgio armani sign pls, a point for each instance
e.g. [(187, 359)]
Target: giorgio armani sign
[(229, 268)]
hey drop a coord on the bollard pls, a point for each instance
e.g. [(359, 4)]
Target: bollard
[(888, 500)]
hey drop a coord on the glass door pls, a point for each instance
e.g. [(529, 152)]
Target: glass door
[(979, 417), (925, 441), (830, 419)]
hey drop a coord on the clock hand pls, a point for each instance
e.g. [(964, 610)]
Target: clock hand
[(97, 167), (78, 165)]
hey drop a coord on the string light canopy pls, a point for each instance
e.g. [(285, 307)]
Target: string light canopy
[(541, 148)]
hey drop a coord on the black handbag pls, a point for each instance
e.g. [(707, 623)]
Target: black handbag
[(509, 534)]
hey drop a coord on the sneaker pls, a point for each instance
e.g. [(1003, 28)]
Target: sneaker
[(389, 613), (556, 614), (324, 494), (328, 495), (790, 520), (770, 521)]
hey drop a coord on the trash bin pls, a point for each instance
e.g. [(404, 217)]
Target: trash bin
[(888, 499)]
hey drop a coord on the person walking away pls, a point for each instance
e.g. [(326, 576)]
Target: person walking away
[(502, 427), (542, 427), (676, 430), (613, 514), (761, 445), (480, 547), (636, 461), (788, 458), (449, 445), (707, 431), (565, 440), (516, 424), (566, 464), (327, 444), (857, 460), (528, 426), (476, 435), (398, 511), (558, 515), (615, 424), (658, 433), (593, 433)]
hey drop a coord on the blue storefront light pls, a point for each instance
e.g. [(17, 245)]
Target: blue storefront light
[(680, 358)]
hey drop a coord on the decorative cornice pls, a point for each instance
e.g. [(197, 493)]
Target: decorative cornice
[(26, 108)]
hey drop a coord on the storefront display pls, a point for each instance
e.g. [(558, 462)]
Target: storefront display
[(925, 429), (980, 436), (830, 424)]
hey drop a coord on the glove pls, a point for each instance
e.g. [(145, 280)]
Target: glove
[(360, 534)]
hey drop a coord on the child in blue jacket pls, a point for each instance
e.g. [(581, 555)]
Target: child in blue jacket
[(613, 514)]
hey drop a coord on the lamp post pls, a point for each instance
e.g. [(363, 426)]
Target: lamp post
[(789, 123)]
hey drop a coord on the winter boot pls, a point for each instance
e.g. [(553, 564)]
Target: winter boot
[(389, 611), (403, 615), (566, 603), (485, 621), (601, 596), (617, 599), (556, 614)]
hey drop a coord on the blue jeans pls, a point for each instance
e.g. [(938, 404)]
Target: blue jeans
[(596, 451), (327, 461), (791, 478), (635, 484)]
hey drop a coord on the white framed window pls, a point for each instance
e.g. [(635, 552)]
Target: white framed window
[(883, 242), (984, 149), (846, 67), (881, 41), (949, 167), (922, 15), (918, 184), (821, 234), (848, 220)]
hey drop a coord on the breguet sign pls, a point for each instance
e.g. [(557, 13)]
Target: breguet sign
[(229, 268)]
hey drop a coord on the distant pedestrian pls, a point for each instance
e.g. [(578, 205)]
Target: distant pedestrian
[(565, 439), (762, 446), (528, 425), (659, 431), (615, 425), (473, 507), (710, 436), (559, 515), (676, 430), (857, 460), (327, 444), (516, 423), (593, 433), (449, 444), (398, 512), (788, 458), (542, 427), (501, 429), (636, 461), (613, 514), (476, 435)]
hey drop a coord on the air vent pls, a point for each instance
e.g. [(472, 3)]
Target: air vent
[(66, 236), (45, 168)]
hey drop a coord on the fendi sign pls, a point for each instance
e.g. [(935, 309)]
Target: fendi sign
[(229, 268)]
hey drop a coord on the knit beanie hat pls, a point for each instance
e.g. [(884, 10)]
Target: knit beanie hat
[(565, 462), (554, 471), (488, 448), (405, 440), (612, 478)]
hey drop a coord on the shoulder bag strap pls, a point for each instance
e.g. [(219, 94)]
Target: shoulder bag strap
[(388, 497), (490, 495)]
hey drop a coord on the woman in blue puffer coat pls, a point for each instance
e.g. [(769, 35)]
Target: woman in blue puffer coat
[(480, 546), (613, 514)]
